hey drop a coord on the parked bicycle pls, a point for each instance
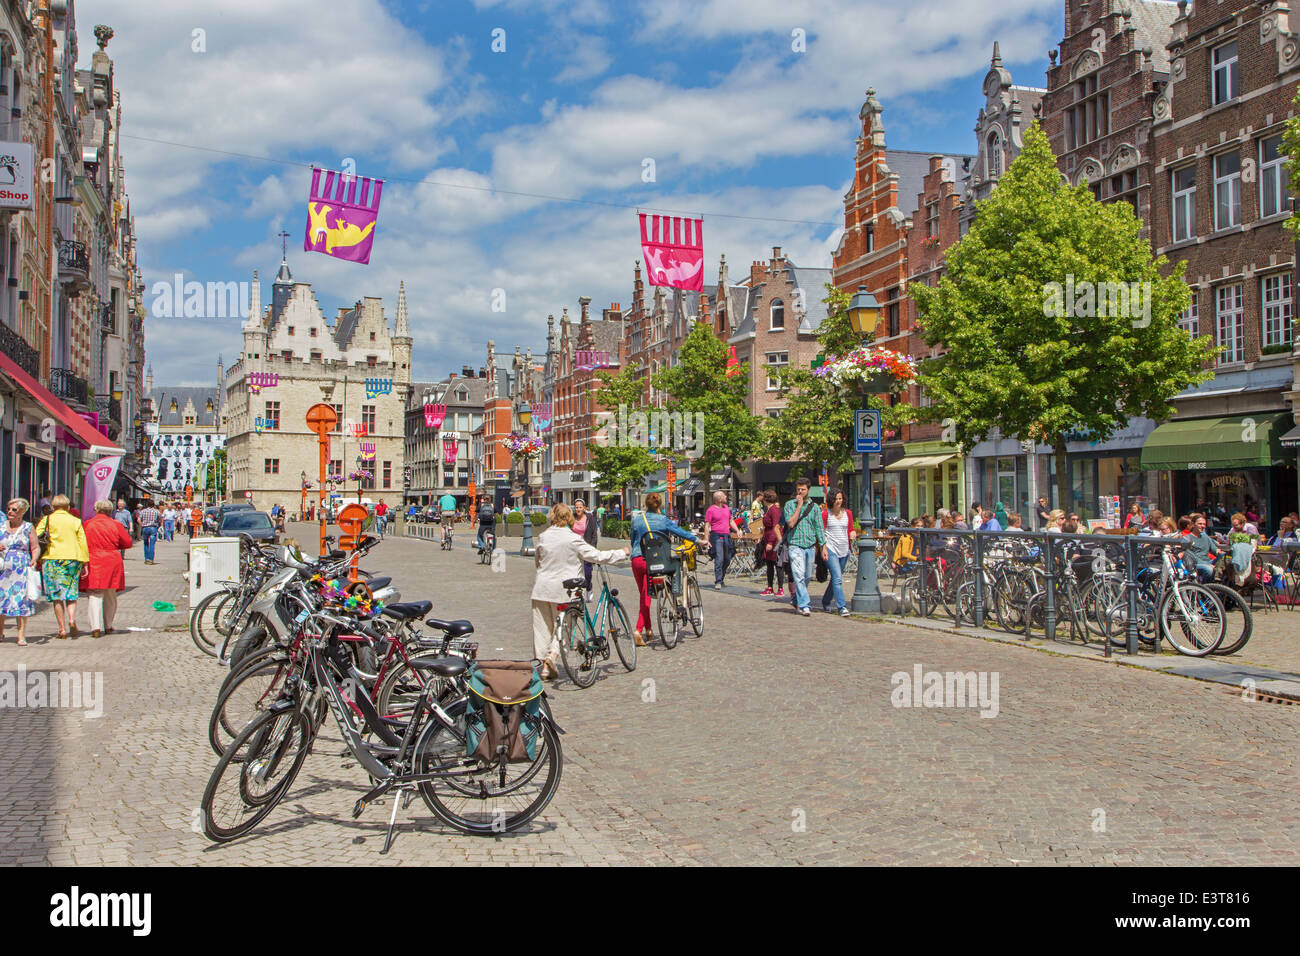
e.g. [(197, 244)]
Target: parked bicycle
[(587, 632)]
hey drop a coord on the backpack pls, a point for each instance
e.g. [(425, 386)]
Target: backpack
[(657, 549), (503, 711)]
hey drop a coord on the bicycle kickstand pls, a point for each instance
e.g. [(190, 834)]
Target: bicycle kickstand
[(401, 799)]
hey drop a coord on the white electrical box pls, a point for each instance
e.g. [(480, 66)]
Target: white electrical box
[(212, 560)]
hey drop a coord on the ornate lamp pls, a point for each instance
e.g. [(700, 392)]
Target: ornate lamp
[(864, 312)]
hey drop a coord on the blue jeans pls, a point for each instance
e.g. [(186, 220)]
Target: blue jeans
[(381, 522), (723, 551), (169, 529), (801, 566), (150, 537), (836, 586)]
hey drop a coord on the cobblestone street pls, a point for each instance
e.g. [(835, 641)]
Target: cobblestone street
[(773, 739)]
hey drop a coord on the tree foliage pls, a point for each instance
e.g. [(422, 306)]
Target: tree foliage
[(1017, 362), (620, 465), (1291, 146)]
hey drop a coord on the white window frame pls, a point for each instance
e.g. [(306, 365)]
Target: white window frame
[(1231, 184), (1230, 68), (772, 326), (1275, 295), (1189, 320), (1273, 187), (1184, 201), (1229, 324), (778, 359)]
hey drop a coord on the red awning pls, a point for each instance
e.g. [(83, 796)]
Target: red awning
[(74, 424)]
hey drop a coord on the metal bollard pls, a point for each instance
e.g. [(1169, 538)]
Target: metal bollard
[(924, 575), (1132, 555), (979, 579), (1049, 593)]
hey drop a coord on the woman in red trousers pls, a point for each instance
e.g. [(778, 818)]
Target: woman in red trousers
[(106, 539)]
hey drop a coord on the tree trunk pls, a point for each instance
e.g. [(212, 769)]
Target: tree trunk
[(1062, 475)]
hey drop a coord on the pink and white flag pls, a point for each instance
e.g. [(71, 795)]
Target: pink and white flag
[(341, 215), (674, 251), (99, 483)]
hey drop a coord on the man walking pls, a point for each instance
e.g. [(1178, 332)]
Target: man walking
[(150, 518), (1043, 513), (721, 524), (804, 534), (122, 516)]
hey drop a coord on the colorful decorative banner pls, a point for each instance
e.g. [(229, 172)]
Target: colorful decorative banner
[(260, 424), (260, 380), (586, 360), (434, 414), (450, 447), (733, 363), (368, 450), (378, 386), (99, 483), (541, 416), (360, 431), (341, 215), (674, 251)]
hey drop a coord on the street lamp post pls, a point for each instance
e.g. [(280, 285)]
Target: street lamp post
[(302, 508), (525, 419), (360, 461), (864, 313)]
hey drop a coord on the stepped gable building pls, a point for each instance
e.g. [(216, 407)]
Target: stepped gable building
[(353, 363), (1222, 197), (186, 429), (1097, 112)]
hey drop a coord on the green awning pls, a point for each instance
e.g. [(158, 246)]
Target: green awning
[(1201, 444), (658, 489), (816, 491)]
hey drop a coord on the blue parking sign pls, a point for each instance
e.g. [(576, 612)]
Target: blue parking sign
[(866, 431)]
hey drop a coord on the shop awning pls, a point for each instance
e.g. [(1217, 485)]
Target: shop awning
[(919, 461), (658, 489), (817, 491), (689, 488), (80, 429), (1291, 439), (1236, 441)]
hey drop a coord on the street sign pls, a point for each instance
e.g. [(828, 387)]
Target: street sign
[(866, 431)]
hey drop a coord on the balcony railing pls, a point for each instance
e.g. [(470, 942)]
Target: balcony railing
[(13, 345), (65, 385), (74, 264), (106, 323)]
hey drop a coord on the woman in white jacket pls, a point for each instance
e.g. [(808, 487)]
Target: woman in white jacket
[(559, 557)]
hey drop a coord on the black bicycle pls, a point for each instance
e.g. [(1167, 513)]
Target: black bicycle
[(426, 752), (487, 545)]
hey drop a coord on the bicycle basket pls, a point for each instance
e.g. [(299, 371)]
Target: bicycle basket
[(686, 552)]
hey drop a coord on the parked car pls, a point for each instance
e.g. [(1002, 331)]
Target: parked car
[(432, 515), (258, 524)]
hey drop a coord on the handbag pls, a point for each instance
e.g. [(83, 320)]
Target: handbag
[(34, 590), (822, 571)]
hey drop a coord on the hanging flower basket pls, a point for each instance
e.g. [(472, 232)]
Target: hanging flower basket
[(522, 446), (870, 370)]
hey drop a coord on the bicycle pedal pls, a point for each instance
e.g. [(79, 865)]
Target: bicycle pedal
[(358, 808)]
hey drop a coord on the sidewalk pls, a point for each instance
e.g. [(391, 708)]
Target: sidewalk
[(145, 584)]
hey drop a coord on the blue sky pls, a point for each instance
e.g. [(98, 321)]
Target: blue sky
[(735, 119)]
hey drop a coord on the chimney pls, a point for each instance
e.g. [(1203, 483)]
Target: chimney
[(756, 272), (585, 303), (451, 376), (776, 252), (466, 372), (482, 373)]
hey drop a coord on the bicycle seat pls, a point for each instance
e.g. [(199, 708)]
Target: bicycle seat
[(337, 555), (572, 583), (451, 628), (408, 610), (443, 666)]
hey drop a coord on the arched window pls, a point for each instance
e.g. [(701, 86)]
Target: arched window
[(994, 155), (778, 315)]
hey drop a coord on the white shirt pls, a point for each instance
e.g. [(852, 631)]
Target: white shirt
[(559, 557), (837, 534)]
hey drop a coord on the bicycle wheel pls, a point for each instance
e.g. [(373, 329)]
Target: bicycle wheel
[(1239, 618), (1192, 619), (667, 620), (577, 648), (694, 607), (470, 796), (203, 622), (247, 695), (620, 633), (247, 643), (258, 766), (401, 689)]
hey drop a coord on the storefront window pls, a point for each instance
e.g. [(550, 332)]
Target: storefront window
[(1218, 494), (892, 492), (954, 484)]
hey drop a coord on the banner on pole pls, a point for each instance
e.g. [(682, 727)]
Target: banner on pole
[(341, 215), (674, 251)]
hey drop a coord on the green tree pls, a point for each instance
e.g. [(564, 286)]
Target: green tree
[(620, 464), (1291, 146), (1025, 359), (214, 474), (698, 386), (816, 424)]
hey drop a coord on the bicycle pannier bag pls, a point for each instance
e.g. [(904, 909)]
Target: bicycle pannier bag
[(503, 709)]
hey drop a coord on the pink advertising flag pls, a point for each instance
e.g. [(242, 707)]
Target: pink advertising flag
[(674, 251), (99, 483), (341, 215)]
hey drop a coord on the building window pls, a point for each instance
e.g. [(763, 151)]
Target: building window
[(1123, 187), (189, 419), (291, 330), (388, 474), (462, 395), (871, 238), (315, 355), (891, 311), (271, 466), (774, 412), (1089, 118), (1184, 181), (336, 467), (1273, 187), (778, 315), (775, 361), (371, 361), (368, 418), (273, 416), (994, 151), (286, 355), (1230, 333), (313, 332), (1189, 320), (1224, 60), (1227, 190), (932, 219), (1276, 293), (338, 420)]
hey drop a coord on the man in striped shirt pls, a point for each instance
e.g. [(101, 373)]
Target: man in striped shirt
[(804, 533), (149, 519)]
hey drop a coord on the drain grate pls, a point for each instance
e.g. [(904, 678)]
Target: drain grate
[(1260, 696)]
